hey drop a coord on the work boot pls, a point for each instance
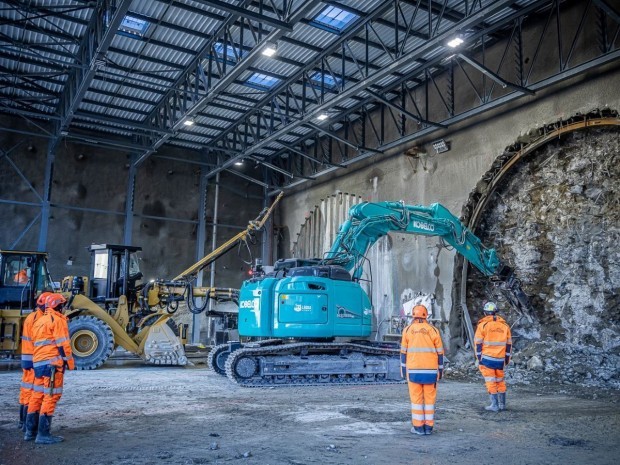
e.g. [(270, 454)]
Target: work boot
[(493, 407), (44, 436), (428, 429), (31, 424), (25, 416), (22, 416), (418, 430), (501, 401)]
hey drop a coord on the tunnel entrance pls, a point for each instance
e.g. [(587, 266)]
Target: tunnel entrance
[(550, 205)]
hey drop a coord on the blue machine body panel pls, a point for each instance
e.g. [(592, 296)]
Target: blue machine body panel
[(304, 307), (255, 297)]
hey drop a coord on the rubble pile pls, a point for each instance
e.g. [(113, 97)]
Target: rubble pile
[(556, 220)]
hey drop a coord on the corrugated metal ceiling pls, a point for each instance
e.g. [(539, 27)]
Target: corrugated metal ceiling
[(138, 73)]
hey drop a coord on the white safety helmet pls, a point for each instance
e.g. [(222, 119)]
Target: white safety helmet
[(490, 307)]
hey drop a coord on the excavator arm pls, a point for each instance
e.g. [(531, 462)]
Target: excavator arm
[(368, 222)]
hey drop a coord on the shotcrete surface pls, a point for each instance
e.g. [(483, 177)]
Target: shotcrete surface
[(150, 415)]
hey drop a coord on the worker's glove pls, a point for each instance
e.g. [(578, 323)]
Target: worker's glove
[(477, 363), (440, 374)]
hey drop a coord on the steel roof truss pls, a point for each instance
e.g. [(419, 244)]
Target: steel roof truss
[(102, 27)]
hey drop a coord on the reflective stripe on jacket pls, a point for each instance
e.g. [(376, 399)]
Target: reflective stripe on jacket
[(51, 340), (493, 342), (421, 353)]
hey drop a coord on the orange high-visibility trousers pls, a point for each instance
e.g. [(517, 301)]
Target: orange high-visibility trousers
[(45, 396), (25, 390), (422, 403), (494, 379)]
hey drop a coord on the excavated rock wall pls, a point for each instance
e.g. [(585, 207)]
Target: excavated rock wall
[(556, 218)]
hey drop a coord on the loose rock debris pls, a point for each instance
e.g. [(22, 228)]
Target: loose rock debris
[(556, 219)]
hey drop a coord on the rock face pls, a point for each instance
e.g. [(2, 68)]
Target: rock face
[(557, 221)]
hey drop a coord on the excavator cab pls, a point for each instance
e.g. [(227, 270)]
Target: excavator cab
[(115, 271), (23, 276)]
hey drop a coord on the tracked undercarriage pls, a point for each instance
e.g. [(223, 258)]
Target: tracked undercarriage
[(274, 363)]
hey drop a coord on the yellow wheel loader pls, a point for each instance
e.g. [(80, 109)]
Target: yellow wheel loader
[(110, 308), (102, 310)]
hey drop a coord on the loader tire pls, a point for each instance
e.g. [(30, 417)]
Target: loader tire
[(92, 341)]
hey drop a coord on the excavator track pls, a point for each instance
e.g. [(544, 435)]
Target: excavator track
[(314, 364), (215, 358), (218, 355)]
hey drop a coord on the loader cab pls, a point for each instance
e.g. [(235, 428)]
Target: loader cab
[(23, 276), (114, 271)]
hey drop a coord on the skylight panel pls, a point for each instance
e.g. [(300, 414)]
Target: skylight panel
[(330, 81), (262, 81), (133, 27), (334, 19), (232, 53)]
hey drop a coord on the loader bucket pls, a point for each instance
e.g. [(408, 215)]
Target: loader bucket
[(162, 346)]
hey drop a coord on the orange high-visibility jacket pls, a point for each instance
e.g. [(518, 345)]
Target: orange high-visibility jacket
[(421, 353), (27, 346), (493, 342), (52, 345), (21, 277)]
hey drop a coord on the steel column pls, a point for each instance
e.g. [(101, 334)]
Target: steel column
[(47, 194), (201, 237), (210, 322), (129, 201)]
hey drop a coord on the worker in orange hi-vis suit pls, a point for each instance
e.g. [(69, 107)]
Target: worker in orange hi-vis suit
[(21, 277), (493, 351), (27, 369), (421, 361), (52, 354)]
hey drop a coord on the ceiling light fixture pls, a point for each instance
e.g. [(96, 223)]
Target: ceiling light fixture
[(455, 41), (188, 122), (270, 49), (239, 162), (322, 117)]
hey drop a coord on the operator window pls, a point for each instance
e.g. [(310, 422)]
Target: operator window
[(16, 271), (101, 265)]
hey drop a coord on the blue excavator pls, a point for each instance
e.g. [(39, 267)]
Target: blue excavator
[(310, 319)]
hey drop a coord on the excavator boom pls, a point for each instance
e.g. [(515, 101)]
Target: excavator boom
[(368, 222)]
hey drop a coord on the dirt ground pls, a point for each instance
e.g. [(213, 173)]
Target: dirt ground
[(151, 415)]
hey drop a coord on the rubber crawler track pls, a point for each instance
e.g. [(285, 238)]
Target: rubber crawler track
[(258, 381), (213, 353)]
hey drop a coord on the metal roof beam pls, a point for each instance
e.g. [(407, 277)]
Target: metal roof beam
[(494, 76), (101, 29), (278, 169), (308, 157), (613, 14), (350, 34), (339, 139), (251, 179), (166, 114), (404, 112), (247, 13), (90, 117), (474, 18)]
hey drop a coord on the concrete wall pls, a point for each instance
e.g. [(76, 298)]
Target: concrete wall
[(417, 263)]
